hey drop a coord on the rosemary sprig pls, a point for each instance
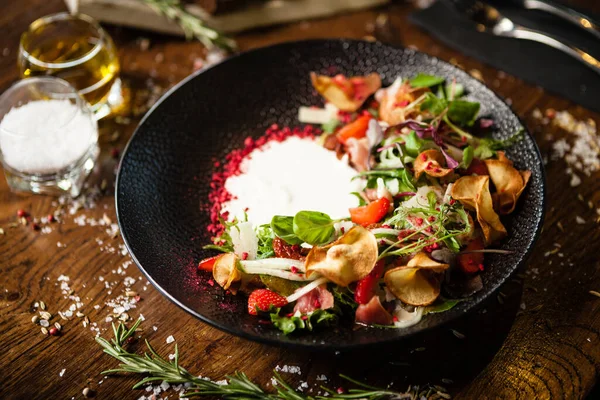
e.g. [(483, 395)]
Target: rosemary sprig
[(192, 25), (156, 369)]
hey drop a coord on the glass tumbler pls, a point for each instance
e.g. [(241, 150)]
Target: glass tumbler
[(76, 49), (48, 137)]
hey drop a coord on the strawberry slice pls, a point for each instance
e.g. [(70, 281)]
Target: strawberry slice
[(207, 264), (477, 167), (472, 262), (263, 299), (365, 288), (371, 213)]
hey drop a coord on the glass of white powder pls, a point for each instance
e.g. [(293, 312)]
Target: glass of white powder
[(48, 137)]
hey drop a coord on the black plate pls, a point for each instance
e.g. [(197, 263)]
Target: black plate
[(163, 181)]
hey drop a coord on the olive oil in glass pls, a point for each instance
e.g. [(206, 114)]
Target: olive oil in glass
[(76, 49)]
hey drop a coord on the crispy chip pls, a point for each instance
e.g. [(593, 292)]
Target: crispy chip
[(431, 162), (347, 94), (417, 283), (225, 271), (347, 260), (474, 193), (414, 286), (509, 183)]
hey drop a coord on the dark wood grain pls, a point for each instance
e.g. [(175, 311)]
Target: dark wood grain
[(549, 349)]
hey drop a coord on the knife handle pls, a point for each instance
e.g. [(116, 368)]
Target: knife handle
[(577, 18)]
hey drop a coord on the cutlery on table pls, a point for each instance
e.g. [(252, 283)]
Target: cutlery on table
[(566, 13), (490, 20)]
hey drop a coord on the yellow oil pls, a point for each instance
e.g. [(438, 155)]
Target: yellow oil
[(89, 64)]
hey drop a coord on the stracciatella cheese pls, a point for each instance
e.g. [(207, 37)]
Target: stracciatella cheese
[(282, 178)]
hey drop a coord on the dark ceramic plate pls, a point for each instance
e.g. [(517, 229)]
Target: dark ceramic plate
[(163, 181)]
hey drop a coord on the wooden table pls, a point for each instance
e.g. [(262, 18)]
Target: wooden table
[(539, 339)]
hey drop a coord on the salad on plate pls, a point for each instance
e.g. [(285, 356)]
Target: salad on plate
[(430, 186)]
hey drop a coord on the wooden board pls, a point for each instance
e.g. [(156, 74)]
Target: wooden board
[(134, 13)]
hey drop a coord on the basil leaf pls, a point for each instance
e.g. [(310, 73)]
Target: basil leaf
[(283, 226), (374, 112), (313, 227), (413, 144), (424, 80), (329, 127), (467, 157), (433, 104), (463, 112)]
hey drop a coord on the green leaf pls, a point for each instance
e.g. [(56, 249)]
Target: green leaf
[(463, 112), (344, 296), (433, 104), (313, 227), (413, 144), (432, 199), (283, 227), (329, 127), (424, 80), (313, 320), (487, 147), (265, 236), (467, 157), (441, 306), (408, 181)]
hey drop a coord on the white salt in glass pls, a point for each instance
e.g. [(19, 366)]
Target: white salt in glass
[(48, 137)]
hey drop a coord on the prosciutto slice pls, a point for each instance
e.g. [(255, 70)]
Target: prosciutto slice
[(373, 313), (319, 297)]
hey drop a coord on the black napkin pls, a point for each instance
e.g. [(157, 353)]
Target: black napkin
[(533, 62)]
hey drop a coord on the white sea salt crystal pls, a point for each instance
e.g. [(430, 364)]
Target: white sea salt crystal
[(62, 372), (45, 136), (170, 339)]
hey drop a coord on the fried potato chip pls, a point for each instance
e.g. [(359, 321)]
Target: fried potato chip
[(417, 283), (431, 162), (347, 260), (347, 94), (422, 260), (225, 271), (509, 183), (414, 286), (474, 193)]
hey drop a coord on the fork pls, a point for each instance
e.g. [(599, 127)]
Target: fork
[(489, 19), (577, 18)]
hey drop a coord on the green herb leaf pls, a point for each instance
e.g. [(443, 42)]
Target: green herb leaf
[(413, 144), (467, 157), (441, 306), (265, 236), (408, 181), (344, 297), (317, 318), (283, 227), (424, 80), (433, 104), (463, 112), (329, 127), (313, 227), (432, 199)]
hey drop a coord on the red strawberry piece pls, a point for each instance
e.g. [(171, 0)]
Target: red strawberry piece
[(477, 167), (263, 299)]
